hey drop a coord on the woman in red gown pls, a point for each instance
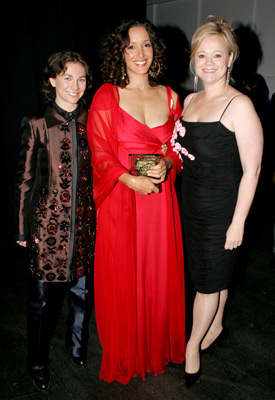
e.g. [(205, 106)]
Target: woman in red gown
[(139, 272)]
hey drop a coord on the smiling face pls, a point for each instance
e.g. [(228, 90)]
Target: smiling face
[(138, 55), (212, 59), (69, 86)]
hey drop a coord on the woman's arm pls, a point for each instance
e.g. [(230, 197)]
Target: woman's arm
[(249, 136), (26, 172), (107, 169)]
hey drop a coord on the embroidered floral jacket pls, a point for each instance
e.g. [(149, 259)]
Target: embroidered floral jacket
[(55, 211)]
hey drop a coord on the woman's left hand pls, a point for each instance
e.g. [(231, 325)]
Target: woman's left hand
[(158, 172), (234, 236)]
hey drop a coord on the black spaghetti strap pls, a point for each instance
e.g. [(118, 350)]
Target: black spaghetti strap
[(228, 106), (189, 103)]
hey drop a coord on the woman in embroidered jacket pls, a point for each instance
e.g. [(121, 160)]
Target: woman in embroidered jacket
[(139, 274), (56, 214)]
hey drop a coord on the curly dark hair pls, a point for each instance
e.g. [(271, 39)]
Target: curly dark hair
[(112, 51), (56, 65)]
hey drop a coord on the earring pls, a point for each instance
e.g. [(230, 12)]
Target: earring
[(196, 79), (123, 72), (227, 76), (155, 71)]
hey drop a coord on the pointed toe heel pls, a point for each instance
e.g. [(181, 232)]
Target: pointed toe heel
[(190, 379)]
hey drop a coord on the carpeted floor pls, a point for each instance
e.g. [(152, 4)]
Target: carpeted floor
[(242, 368)]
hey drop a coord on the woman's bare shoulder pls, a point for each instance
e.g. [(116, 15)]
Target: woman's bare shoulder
[(241, 103), (188, 98)]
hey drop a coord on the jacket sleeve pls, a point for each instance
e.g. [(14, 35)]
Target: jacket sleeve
[(25, 179), (103, 143)]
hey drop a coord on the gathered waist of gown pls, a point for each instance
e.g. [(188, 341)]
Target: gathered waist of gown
[(142, 146)]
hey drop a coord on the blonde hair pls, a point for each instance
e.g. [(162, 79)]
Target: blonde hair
[(214, 26)]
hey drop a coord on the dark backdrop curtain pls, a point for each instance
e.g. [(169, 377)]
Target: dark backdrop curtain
[(31, 33)]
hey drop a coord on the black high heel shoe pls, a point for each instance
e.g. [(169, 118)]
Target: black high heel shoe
[(219, 339), (190, 379)]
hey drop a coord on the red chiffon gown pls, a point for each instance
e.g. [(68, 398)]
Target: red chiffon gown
[(139, 269)]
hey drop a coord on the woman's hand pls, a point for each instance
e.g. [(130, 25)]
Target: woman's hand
[(146, 184), (140, 184), (158, 172), (22, 243), (234, 236)]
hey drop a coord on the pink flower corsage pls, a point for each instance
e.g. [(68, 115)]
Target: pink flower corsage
[(179, 130)]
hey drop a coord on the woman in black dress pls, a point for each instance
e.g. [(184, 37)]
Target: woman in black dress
[(219, 139)]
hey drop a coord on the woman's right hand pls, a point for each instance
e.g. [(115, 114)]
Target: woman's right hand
[(22, 243), (140, 184)]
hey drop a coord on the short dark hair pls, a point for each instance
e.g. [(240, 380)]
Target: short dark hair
[(112, 51), (56, 65)]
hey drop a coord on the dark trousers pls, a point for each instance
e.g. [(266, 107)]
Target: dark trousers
[(45, 305)]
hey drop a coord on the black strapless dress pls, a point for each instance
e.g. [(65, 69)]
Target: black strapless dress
[(210, 181)]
